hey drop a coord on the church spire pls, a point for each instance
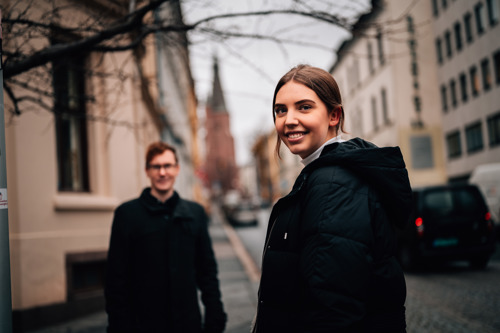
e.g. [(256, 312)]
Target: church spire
[(216, 101)]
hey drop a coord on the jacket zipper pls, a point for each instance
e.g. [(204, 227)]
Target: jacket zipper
[(263, 254)]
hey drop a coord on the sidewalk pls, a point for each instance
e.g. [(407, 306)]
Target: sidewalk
[(238, 278)]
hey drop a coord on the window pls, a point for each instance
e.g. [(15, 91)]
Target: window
[(463, 87), (458, 35), (468, 27), (374, 114), (494, 129), (493, 11), (439, 50), (385, 111), (421, 152), (453, 144), (380, 46), (357, 123), (71, 124), (435, 9), (371, 66), (453, 93), (496, 60), (480, 19), (444, 99), (474, 138), (85, 273), (485, 71), (447, 40), (474, 81)]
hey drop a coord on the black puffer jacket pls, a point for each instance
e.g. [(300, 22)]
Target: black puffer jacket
[(329, 261), (160, 255)]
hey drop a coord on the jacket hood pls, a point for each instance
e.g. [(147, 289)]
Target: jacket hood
[(383, 168)]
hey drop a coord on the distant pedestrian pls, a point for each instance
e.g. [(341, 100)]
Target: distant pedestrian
[(329, 260), (160, 255)]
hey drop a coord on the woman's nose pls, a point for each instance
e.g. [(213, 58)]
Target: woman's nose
[(291, 119)]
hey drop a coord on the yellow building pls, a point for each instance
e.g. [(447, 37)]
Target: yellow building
[(77, 150)]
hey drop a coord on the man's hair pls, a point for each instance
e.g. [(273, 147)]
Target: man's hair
[(322, 83), (157, 148)]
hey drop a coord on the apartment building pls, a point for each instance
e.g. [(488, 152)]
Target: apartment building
[(387, 74), (467, 44)]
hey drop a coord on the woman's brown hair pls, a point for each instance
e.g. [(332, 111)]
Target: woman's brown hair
[(319, 81)]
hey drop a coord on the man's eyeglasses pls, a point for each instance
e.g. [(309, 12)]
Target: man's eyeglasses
[(158, 167)]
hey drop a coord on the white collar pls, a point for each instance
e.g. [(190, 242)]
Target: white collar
[(318, 151)]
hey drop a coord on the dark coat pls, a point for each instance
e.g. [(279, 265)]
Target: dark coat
[(159, 256), (329, 261)]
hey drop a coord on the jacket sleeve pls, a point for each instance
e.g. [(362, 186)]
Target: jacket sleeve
[(335, 261), (208, 283), (118, 302)]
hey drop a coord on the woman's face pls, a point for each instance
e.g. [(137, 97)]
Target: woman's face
[(302, 120)]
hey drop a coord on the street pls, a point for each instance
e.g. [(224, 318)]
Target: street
[(452, 298)]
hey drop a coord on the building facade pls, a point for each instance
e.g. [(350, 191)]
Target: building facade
[(79, 151), (388, 80), (468, 67)]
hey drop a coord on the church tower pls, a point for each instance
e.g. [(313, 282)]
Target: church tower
[(220, 161)]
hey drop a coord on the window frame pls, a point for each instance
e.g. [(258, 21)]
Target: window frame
[(463, 86), (70, 113), (453, 93), (474, 80), (474, 137), (453, 140), (493, 12), (457, 28), (439, 50), (486, 74), (469, 36), (493, 124), (480, 18), (444, 98), (447, 42), (496, 64)]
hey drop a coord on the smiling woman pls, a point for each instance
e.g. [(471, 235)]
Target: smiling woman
[(329, 263)]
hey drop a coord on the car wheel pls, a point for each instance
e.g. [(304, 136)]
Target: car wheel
[(479, 262)]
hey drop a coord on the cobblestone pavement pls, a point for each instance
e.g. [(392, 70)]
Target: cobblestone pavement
[(454, 299)]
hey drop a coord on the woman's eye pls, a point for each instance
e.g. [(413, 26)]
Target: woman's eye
[(305, 107), (279, 110)]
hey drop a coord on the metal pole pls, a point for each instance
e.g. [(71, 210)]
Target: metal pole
[(5, 293)]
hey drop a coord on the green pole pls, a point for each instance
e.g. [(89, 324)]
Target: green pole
[(5, 293)]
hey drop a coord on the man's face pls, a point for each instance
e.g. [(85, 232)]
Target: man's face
[(162, 171)]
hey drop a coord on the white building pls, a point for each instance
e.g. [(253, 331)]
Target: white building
[(388, 80), (467, 43)]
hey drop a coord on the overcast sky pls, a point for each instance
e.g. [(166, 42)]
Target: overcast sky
[(250, 69)]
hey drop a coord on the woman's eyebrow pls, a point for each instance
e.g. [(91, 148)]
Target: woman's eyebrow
[(305, 101)]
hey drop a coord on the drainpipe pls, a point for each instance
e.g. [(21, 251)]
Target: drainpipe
[(5, 299)]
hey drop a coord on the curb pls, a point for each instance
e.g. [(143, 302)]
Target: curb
[(251, 269)]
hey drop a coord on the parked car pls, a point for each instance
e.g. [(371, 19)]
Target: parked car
[(243, 214), (449, 222)]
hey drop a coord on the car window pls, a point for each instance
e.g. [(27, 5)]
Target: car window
[(467, 201), (444, 202), (438, 203)]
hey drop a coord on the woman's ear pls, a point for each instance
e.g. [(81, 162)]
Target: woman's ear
[(335, 117)]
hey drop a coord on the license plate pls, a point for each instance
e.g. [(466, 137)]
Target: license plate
[(445, 242)]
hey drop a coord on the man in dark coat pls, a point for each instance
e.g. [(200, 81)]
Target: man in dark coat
[(160, 255)]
